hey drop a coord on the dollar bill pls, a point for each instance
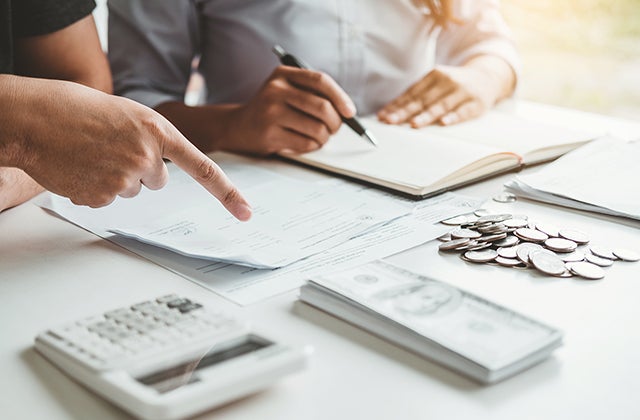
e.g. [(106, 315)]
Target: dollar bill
[(406, 307)]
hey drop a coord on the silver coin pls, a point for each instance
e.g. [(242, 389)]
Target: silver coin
[(603, 252), (456, 220), (574, 256), (493, 228), (494, 237), (465, 233), (493, 218), (510, 240), (445, 238), (522, 251), (467, 246), (530, 235), (505, 197), (547, 262), (481, 212), (516, 223), (560, 245), (508, 252), (548, 229), (479, 246), (574, 235), (508, 262), (484, 255), (546, 251), (462, 257), (453, 244), (566, 274), (586, 270), (626, 254), (594, 259)]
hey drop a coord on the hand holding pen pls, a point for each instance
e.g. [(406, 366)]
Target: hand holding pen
[(290, 60), (295, 110)]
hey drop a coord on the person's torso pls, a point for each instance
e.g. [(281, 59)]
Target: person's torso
[(6, 37), (374, 49)]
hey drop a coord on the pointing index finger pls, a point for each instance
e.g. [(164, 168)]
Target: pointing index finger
[(204, 170)]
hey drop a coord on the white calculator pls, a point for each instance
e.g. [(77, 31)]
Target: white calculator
[(168, 358)]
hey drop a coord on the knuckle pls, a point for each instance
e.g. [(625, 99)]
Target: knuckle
[(325, 108), (207, 172), (334, 125), (319, 131), (100, 200), (232, 196), (317, 77)]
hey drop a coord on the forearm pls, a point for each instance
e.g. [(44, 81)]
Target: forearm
[(499, 76), (12, 137), (206, 126)]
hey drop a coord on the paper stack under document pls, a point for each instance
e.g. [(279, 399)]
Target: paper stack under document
[(467, 333), (292, 220), (601, 176), (298, 228)]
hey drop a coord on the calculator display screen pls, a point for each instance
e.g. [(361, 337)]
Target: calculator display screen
[(175, 377)]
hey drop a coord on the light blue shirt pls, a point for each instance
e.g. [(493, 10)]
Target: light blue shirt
[(375, 49)]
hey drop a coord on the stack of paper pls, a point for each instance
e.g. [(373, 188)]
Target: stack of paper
[(292, 219), (469, 334), (601, 176), (183, 215)]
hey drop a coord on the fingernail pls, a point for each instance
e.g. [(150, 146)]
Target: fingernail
[(418, 120), (393, 118), (352, 108), (244, 212), (448, 119)]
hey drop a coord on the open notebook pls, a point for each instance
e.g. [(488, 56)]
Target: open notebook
[(428, 161)]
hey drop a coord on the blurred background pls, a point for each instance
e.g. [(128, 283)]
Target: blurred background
[(582, 54)]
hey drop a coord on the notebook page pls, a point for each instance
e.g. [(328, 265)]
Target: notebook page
[(404, 155)]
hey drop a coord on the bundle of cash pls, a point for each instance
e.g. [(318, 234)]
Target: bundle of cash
[(469, 334)]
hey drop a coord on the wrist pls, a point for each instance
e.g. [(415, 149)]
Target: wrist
[(225, 135), (496, 76), (208, 127)]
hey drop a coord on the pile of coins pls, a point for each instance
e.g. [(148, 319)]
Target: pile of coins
[(514, 241)]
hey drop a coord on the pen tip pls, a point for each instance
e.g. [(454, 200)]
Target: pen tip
[(278, 50), (367, 134)]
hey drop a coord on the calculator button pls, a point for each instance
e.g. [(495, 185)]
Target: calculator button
[(167, 298), (178, 302), (118, 313), (129, 316), (188, 307), (142, 306), (144, 325)]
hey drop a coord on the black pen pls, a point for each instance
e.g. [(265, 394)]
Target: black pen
[(289, 60)]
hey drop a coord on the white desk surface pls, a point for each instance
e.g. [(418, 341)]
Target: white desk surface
[(52, 272)]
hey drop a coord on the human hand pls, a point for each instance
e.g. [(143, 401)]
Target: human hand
[(448, 95), (16, 187), (296, 110), (92, 147)]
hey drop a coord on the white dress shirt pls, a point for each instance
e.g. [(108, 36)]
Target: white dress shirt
[(374, 49)]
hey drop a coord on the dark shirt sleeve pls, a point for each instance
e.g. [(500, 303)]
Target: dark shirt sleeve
[(39, 17)]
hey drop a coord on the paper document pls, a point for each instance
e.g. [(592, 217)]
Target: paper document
[(601, 176), (245, 285), (292, 220)]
